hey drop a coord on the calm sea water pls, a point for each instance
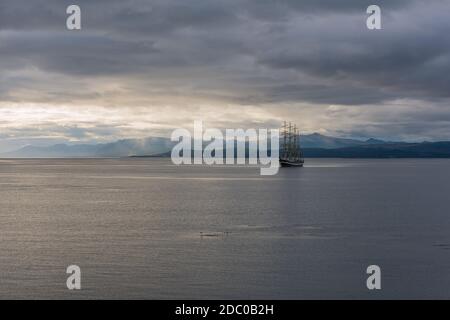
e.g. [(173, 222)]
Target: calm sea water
[(135, 227)]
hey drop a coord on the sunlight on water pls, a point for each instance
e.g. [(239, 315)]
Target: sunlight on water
[(144, 228)]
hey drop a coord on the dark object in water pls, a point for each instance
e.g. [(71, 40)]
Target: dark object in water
[(291, 154)]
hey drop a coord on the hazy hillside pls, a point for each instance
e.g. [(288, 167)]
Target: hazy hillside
[(121, 148), (314, 145), (317, 140)]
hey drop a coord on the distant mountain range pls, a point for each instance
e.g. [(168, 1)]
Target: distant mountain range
[(317, 140), (120, 148), (314, 145)]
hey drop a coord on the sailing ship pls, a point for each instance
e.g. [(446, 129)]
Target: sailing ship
[(291, 154)]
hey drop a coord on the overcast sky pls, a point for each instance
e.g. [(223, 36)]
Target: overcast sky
[(139, 68)]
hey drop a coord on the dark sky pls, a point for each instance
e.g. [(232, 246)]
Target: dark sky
[(143, 67)]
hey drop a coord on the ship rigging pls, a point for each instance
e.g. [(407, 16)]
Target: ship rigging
[(291, 154)]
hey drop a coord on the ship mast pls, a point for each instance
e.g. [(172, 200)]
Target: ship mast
[(295, 144), (284, 140), (290, 141), (291, 152)]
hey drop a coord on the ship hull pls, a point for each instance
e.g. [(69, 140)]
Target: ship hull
[(287, 163)]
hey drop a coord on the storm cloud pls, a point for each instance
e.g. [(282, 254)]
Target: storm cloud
[(271, 56)]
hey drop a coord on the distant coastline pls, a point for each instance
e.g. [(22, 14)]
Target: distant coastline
[(313, 145), (379, 151)]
